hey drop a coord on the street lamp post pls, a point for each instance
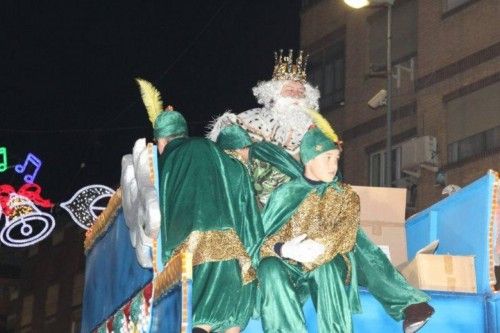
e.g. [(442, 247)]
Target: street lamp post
[(388, 4), (388, 159)]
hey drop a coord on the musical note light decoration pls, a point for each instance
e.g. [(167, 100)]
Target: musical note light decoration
[(3, 159), (83, 208), (30, 160)]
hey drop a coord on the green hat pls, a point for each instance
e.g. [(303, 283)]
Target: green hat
[(169, 123), (233, 137), (314, 143)]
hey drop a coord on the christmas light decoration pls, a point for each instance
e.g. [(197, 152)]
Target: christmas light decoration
[(25, 224), (30, 160), (3, 159), (29, 191), (83, 205)]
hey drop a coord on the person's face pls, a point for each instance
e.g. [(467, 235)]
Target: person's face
[(293, 89), (324, 166)]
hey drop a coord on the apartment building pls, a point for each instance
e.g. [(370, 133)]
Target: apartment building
[(445, 95), (47, 294)]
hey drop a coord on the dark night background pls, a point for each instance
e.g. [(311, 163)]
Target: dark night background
[(67, 89)]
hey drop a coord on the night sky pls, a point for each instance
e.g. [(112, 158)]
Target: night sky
[(67, 89)]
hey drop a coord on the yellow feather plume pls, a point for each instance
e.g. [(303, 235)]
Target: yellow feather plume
[(323, 125), (151, 98)]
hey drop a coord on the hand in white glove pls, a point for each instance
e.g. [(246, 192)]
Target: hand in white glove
[(301, 249)]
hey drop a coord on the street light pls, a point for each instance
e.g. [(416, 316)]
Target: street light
[(388, 4), (364, 3), (357, 3)]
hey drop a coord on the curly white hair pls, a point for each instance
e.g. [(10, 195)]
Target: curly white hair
[(267, 91)]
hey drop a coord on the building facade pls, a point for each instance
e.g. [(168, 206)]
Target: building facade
[(47, 294), (446, 89)]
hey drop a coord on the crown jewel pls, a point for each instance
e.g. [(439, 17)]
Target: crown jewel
[(286, 69)]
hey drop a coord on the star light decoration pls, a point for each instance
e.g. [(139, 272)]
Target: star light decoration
[(83, 208)]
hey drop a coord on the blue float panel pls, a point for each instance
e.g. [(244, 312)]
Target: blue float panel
[(461, 224), (455, 313), (167, 311), (493, 312), (112, 274)]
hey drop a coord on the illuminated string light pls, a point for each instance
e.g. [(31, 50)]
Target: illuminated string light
[(3, 159), (19, 228), (83, 208), (31, 160)]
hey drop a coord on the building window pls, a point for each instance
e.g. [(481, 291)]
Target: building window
[(377, 167), (76, 319), (50, 324), (452, 4), (78, 282), (51, 300), (11, 321), (27, 310), (473, 123), (327, 72), (76, 326), (13, 293), (492, 138), (474, 144)]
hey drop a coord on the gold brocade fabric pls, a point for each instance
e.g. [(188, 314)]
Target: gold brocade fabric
[(218, 245), (331, 220), (178, 268)]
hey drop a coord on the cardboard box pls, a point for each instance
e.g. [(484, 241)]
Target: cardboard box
[(440, 272), (383, 218)]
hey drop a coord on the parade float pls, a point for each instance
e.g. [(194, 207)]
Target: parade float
[(129, 289), (448, 250)]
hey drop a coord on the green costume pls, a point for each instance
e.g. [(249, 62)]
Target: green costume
[(270, 167), (208, 207), (329, 214)]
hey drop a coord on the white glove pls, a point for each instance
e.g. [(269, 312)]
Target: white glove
[(302, 250)]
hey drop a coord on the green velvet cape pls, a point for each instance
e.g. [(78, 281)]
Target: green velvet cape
[(204, 189), (281, 206), (208, 207), (370, 266)]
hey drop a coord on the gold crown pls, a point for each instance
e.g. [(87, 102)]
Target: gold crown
[(286, 69)]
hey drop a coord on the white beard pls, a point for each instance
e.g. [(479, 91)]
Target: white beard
[(291, 112)]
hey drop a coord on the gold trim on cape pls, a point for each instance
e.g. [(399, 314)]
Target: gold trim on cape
[(332, 220), (218, 245), (178, 269)]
